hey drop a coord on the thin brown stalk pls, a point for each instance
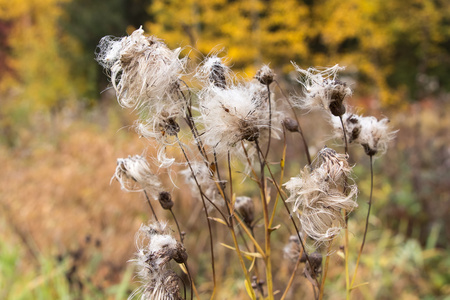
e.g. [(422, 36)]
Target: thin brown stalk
[(149, 204), (266, 223), (325, 272), (291, 279), (345, 135), (206, 214), (280, 192), (270, 121), (367, 224), (308, 156), (282, 164)]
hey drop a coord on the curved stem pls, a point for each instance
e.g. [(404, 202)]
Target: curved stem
[(266, 223), (308, 156), (206, 214), (325, 272), (345, 135), (149, 204), (290, 215), (291, 279), (178, 226), (367, 223), (270, 121)]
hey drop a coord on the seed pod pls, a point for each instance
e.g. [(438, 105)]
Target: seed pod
[(217, 75), (165, 199), (265, 75), (244, 205), (291, 125), (338, 94)]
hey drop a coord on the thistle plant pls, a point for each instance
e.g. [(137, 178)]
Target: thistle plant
[(223, 126)]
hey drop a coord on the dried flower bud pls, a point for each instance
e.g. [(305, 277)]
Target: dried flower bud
[(338, 94), (316, 260), (169, 126), (165, 199), (156, 248), (374, 135), (291, 125), (217, 75), (180, 254), (265, 75), (322, 90), (293, 249), (244, 205)]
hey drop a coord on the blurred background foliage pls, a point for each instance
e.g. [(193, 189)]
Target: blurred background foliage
[(66, 233)]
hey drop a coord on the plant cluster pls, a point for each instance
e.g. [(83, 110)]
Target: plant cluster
[(223, 125)]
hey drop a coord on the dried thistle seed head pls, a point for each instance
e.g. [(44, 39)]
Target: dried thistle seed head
[(319, 194), (248, 131), (134, 174), (156, 248), (291, 125), (372, 134), (352, 127), (179, 254), (165, 199), (293, 249), (334, 165), (315, 268), (213, 72), (142, 69), (217, 75), (169, 126), (265, 75), (316, 259), (338, 93), (322, 90), (244, 205), (238, 113)]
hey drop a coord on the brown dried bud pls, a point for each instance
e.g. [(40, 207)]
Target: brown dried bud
[(165, 199), (245, 207), (265, 75), (369, 151), (217, 75), (316, 260), (248, 131), (338, 95), (291, 125), (169, 126), (180, 255)]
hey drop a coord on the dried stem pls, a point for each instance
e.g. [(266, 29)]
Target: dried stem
[(266, 223), (290, 215), (345, 135), (367, 224), (206, 214), (270, 121), (151, 207), (291, 279), (325, 272), (178, 226), (308, 156)]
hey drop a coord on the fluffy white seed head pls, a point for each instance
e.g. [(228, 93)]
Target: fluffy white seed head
[(213, 71), (265, 75), (156, 247), (143, 69), (237, 113), (322, 89), (134, 175), (320, 195), (374, 135)]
